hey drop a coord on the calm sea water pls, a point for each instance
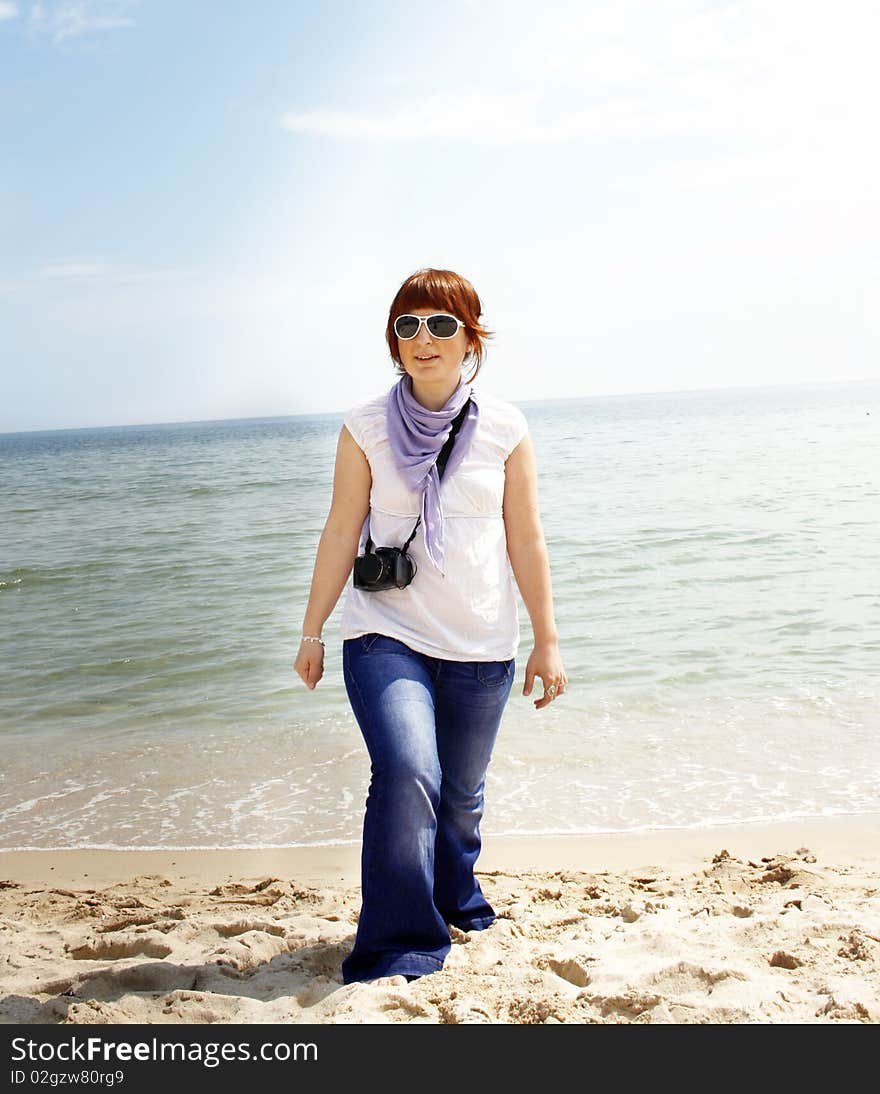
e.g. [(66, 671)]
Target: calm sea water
[(716, 567)]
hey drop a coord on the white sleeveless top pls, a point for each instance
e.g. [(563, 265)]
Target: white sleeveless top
[(471, 613)]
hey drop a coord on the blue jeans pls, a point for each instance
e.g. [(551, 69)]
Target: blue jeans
[(429, 725)]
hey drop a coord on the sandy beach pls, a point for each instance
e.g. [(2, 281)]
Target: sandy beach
[(753, 923)]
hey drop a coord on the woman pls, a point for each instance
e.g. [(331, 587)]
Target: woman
[(428, 667)]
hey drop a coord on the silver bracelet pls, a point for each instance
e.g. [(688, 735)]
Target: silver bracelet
[(313, 638)]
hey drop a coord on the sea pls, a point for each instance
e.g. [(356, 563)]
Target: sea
[(715, 558)]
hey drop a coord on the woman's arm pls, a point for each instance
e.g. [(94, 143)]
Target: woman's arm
[(527, 551), (337, 549)]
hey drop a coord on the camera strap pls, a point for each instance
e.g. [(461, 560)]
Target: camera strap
[(442, 459)]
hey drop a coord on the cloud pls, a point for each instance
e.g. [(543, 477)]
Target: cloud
[(66, 270), (772, 102), (514, 117), (473, 116), (7, 10), (743, 71), (75, 274), (76, 18)]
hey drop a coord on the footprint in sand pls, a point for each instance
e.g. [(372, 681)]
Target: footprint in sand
[(113, 949), (248, 950), (243, 926)]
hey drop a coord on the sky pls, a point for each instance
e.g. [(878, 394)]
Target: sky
[(206, 207)]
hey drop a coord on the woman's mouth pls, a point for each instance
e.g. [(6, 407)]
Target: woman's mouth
[(433, 357)]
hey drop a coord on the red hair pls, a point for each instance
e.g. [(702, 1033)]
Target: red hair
[(445, 291)]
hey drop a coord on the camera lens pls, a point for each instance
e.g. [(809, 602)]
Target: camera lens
[(370, 568)]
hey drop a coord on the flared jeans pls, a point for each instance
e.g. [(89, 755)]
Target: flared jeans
[(430, 726)]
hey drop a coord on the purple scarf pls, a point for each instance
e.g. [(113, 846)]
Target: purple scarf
[(417, 435)]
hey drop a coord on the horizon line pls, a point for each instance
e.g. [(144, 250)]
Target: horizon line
[(516, 402)]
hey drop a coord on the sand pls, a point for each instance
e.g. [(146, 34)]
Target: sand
[(751, 923)]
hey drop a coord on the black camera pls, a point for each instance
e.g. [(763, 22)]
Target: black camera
[(383, 568)]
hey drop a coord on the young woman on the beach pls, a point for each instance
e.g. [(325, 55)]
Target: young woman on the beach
[(428, 665)]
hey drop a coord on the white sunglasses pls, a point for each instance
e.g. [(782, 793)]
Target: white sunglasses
[(440, 325)]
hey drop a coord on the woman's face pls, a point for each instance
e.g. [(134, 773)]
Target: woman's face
[(427, 358)]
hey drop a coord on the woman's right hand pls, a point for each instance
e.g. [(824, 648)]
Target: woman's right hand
[(309, 663)]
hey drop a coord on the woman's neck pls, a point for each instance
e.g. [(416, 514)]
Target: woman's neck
[(434, 396)]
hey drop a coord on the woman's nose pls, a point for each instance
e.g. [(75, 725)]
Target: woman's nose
[(423, 336)]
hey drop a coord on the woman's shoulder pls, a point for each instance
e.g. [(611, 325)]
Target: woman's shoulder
[(502, 419), (365, 420), (367, 407), (494, 404)]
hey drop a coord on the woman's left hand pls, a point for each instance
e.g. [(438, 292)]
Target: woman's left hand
[(545, 661)]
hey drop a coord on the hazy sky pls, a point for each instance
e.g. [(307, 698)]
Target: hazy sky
[(206, 206)]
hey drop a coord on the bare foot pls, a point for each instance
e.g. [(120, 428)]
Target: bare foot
[(399, 980)]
